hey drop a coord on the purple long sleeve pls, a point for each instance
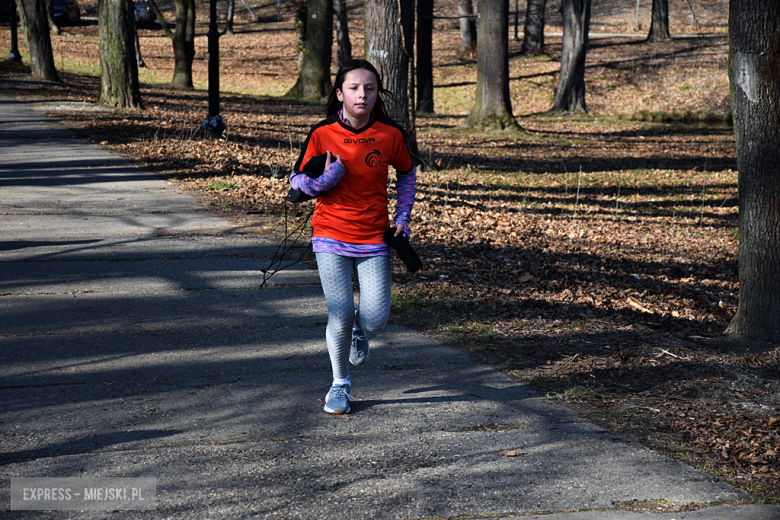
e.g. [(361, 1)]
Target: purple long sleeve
[(324, 182), (406, 189)]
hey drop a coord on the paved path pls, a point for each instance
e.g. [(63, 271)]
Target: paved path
[(134, 342)]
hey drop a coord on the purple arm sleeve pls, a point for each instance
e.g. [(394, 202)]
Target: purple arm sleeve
[(406, 188), (324, 182)]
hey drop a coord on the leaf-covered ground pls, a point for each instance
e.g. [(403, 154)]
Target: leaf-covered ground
[(593, 257)]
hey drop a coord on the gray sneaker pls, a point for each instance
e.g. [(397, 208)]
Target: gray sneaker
[(337, 399), (358, 352)]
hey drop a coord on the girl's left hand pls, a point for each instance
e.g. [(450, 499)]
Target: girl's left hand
[(330, 159), (399, 229)]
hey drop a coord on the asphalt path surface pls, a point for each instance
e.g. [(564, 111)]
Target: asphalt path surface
[(135, 342)]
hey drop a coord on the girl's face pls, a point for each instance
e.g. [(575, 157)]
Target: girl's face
[(358, 95)]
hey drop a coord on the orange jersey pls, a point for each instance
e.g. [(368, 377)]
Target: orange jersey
[(355, 210)]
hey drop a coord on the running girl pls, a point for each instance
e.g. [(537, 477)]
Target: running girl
[(351, 214)]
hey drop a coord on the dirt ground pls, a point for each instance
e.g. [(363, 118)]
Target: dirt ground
[(592, 256)]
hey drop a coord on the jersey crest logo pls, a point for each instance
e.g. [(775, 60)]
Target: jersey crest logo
[(374, 159)]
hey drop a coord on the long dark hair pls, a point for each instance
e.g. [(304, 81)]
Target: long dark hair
[(333, 105)]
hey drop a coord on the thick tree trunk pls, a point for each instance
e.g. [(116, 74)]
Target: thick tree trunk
[(384, 48), (389, 46), (533, 39), (754, 74), (468, 27), (36, 31), (492, 106), (570, 95), (184, 44), (314, 76), (342, 32), (231, 9), (659, 26), (118, 68), (425, 56)]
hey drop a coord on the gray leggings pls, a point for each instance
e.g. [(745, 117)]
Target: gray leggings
[(373, 275)]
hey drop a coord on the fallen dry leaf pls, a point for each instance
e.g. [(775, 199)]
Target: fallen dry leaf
[(512, 453)]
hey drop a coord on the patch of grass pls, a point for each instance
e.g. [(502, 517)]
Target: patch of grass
[(687, 117), (453, 98), (223, 185), (154, 76), (77, 67), (543, 58)]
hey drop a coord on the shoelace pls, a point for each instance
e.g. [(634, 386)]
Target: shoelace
[(340, 393), (358, 334)]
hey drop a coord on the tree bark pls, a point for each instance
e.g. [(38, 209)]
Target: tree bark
[(138, 58), (118, 68), (314, 76), (183, 40), (342, 32), (22, 19), (384, 48), (299, 22), (468, 27), (389, 46), (754, 76), (53, 27), (184, 44), (492, 105), (533, 39), (659, 25), (36, 31), (424, 56), (231, 9), (165, 27), (570, 96)]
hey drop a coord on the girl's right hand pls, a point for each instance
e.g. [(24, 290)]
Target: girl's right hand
[(329, 159)]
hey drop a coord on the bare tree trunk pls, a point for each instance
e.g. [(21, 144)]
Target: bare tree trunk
[(183, 40), (754, 54), (692, 5), (118, 68), (36, 30), (299, 22), (468, 27), (138, 58), (424, 56), (342, 32), (53, 27), (384, 48), (570, 96), (22, 19), (314, 76), (231, 8), (533, 39), (492, 105), (659, 26), (406, 20), (184, 44), (166, 29)]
